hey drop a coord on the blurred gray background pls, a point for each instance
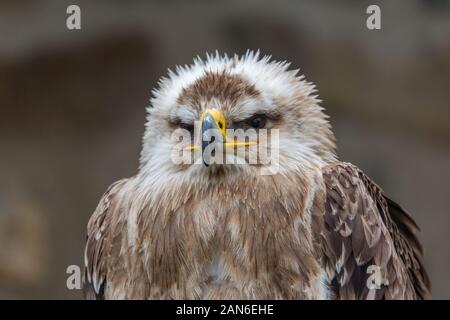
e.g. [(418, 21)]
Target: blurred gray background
[(72, 108)]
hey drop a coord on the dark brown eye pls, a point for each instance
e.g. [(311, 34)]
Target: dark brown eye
[(178, 123), (186, 126), (257, 121)]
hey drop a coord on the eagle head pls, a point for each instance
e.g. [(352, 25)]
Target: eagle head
[(223, 117)]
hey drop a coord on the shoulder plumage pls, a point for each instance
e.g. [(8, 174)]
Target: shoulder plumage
[(98, 235), (366, 232)]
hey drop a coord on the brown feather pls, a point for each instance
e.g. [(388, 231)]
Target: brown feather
[(382, 234)]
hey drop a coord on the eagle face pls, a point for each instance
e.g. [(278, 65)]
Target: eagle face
[(203, 220), (261, 115)]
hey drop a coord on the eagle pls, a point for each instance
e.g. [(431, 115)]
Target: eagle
[(314, 228)]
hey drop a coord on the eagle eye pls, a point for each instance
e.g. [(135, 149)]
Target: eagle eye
[(178, 123), (257, 121), (186, 126)]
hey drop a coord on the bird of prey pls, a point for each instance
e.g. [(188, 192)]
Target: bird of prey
[(316, 228)]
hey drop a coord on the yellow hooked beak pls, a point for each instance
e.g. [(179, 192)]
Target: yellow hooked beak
[(213, 119)]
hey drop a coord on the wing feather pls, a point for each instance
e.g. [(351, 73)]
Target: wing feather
[(364, 229), (97, 244)]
